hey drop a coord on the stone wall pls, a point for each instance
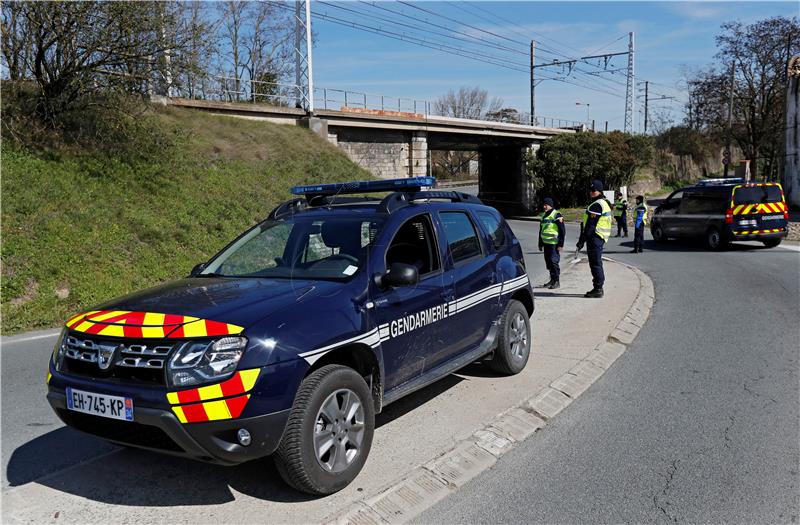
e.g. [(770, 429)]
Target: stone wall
[(385, 153)]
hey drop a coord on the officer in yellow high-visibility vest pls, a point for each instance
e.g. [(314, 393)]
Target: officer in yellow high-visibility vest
[(595, 231), (551, 240), (621, 215)]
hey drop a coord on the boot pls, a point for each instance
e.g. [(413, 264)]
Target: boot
[(547, 284), (594, 293), (554, 284), (635, 250)]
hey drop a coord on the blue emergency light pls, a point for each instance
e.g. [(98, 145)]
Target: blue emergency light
[(366, 186)]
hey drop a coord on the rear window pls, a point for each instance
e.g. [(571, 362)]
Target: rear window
[(756, 194), (494, 227)]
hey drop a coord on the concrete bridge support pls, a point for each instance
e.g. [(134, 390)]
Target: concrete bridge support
[(388, 154), (503, 182)]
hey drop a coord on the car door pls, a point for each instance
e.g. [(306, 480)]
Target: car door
[(668, 215), (475, 279), (410, 319)]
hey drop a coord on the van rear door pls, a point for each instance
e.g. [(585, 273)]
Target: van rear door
[(758, 208)]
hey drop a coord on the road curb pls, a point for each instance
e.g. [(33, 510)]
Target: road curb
[(427, 484)]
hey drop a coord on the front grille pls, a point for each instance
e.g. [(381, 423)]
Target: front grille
[(137, 361), (128, 432)]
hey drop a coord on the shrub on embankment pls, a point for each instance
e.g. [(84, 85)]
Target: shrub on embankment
[(82, 224)]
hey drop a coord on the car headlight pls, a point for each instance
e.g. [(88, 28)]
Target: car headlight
[(58, 350), (199, 362)]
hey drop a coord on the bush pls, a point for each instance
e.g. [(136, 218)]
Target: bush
[(564, 166)]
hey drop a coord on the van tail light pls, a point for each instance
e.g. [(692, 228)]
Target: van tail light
[(729, 216), (786, 214)]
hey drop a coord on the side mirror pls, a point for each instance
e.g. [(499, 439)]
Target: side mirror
[(399, 274), (197, 269)]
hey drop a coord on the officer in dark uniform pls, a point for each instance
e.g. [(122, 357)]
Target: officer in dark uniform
[(595, 231), (551, 240)]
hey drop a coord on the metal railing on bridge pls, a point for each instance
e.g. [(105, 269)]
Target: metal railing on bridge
[(230, 89)]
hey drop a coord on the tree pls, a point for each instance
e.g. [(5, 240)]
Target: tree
[(565, 165), (759, 54), (469, 103), (75, 51)]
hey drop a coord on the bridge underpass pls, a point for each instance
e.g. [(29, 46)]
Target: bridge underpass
[(393, 144)]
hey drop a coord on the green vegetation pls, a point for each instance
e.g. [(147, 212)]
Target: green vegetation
[(564, 166), (82, 225)]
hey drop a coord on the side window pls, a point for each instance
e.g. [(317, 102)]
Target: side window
[(494, 227), (461, 236), (415, 244)]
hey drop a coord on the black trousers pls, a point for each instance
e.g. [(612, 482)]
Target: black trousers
[(622, 224), (638, 238), (551, 260), (594, 250)]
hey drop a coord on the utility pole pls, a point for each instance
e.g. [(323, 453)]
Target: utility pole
[(309, 45), (630, 96), (533, 83), (726, 156), (646, 85), (299, 66), (304, 64)]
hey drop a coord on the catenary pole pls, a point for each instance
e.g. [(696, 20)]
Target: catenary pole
[(533, 82), (310, 59)]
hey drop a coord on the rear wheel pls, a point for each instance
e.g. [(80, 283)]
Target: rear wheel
[(329, 432), (658, 233), (714, 239), (771, 243), (514, 340)]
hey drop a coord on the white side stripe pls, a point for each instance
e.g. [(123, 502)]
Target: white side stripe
[(376, 336)]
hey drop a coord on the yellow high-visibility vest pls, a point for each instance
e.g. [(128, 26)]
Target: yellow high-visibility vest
[(603, 228)]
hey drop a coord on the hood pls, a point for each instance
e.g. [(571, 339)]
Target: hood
[(197, 307)]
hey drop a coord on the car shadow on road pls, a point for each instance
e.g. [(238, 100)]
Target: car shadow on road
[(88, 467), (556, 294), (686, 246)]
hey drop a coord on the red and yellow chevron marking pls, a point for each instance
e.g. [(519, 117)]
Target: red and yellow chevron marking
[(204, 403), (755, 232), (229, 408), (145, 325), (768, 207)]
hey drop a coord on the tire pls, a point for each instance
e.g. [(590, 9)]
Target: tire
[(514, 340), (771, 243), (658, 234), (319, 405), (714, 239)]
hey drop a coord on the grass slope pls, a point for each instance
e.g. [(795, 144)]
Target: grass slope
[(81, 229)]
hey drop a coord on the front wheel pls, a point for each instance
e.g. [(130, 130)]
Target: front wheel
[(658, 233), (329, 432), (771, 243), (514, 341)]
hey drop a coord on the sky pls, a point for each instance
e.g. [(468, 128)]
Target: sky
[(670, 37)]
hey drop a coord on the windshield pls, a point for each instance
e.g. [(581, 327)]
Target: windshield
[(756, 195), (299, 247)]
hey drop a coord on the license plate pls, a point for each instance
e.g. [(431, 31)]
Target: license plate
[(114, 407), (748, 223)]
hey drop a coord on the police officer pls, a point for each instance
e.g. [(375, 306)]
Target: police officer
[(621, 214), (639, 223), (595, 231), (551, 240)]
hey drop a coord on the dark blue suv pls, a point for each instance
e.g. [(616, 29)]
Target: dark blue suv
[(292, 338)]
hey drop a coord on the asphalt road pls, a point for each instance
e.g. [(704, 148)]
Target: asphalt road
[(697, 422)]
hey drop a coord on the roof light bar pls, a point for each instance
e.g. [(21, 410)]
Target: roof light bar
[(715, 182), (366, 186)]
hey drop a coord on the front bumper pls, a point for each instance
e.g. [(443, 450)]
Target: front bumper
[(160, 431)]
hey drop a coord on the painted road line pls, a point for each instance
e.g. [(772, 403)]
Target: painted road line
[(23, 338)]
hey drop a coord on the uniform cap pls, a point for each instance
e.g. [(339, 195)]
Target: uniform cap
[(549, 202), (597, 185)]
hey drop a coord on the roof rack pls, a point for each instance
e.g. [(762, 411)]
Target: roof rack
[(400, 199)]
